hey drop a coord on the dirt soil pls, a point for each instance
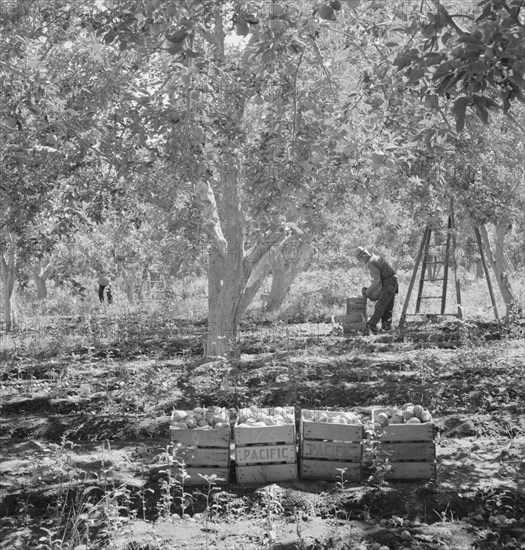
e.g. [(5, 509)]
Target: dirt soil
[(85, 441)]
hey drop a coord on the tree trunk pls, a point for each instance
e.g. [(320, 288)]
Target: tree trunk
[(40, 276), (8, 274), (226, 278), (234, 276), (130, 284), (288, 265), (497, 263)]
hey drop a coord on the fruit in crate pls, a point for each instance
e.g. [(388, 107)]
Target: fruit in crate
[(397, 417), (407, 414), (201, 418), (308, 415), (257, 417), (191, 422), (179, 416), (382, 419), (331, 417)]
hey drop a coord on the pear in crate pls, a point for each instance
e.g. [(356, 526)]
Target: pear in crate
[(382, 419), (397, 417), (191, 422), (179, 416)]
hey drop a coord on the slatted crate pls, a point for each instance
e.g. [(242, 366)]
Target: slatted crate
[(265, 453), (326, 447), (204, 451), (410, 448)]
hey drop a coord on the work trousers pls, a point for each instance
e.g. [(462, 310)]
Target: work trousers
[(385, 304)]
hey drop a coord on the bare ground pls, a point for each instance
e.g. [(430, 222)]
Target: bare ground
[(84, 429)]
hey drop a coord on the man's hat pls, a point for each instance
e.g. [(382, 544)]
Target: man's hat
[(361, 252)]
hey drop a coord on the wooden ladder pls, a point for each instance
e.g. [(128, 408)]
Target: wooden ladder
[(424, 257)]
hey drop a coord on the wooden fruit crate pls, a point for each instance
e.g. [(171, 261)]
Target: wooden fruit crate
[(265, 453), (326, 448), (203, 451), (410, 448), (355, 321)]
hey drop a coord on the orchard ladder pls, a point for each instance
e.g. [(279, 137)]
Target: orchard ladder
[(429, 263)]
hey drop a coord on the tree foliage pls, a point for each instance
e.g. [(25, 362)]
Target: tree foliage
[(474, 60)]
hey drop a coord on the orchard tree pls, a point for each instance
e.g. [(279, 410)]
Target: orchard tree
[(54, 167), (200, 122)]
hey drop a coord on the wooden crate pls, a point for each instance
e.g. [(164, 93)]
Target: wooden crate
[(326, 448), (410, 448), (203, 451), (352, 323), (265, 453), (356, 304)]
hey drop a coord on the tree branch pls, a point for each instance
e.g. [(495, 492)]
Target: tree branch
[(449, 19)]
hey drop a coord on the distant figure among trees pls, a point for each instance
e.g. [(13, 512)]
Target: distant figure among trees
[(104, 283)]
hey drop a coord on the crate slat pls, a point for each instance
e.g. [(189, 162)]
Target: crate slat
[(201, 438), (421, 452), (334, 450), (264, 473), (203, 457), (326, 469), (333, 432), (264, 435), (408, 432), (265, 454)]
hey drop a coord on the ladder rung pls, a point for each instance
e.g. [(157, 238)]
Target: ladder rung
[(430, 297)]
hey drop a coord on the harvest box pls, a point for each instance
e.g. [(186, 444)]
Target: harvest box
[(265, 445), (355, 318), (203, 450), (410, 448), (327, 446)]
